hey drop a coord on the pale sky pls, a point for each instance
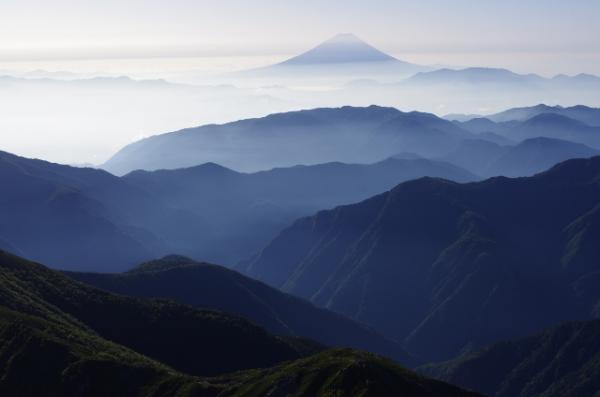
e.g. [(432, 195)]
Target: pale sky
[(190, 40), (59, 29)]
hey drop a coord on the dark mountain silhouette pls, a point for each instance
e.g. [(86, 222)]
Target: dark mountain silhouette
[(347, 134), (213, 287), (62, 338), (448, 267), (199, 342), (339, 372), (524, 159), (563, 361), (42, 358)]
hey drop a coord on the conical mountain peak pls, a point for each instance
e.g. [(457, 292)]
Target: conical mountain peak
[(341, 48), (345, 38)]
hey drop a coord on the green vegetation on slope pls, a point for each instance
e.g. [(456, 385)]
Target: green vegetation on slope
[(44, 358), (49, 347), (562, 361), (484, 262), (339, 372), (199, 342), (214, 287)]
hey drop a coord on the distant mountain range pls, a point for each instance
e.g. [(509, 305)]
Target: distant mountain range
[(473, 76), (527, 158), (471, 90), (448, 267), (213, 287), (346, 134), (213, 213), (88, 219), (64, 338), (578, 124), (562, 361), (351, 134), (584, 114), (478, 76)]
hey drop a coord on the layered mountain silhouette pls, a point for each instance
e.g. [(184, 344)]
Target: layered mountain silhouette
[(87, 219), (448, 267), (527, 158), (471, 89), (562, 361), (473, 76), (63, 338), (347, 134), (481, 76), (585, 114), (577, 124), (213, 287)]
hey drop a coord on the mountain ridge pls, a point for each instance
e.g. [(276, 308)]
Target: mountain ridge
[(47, 351), (208, 286), (436, 248), (560, 361)]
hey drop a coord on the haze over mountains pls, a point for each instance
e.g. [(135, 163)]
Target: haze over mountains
[(228, 199), (88, 219), (210, 212), (350, 134), (346, 134), (339, 59), (95, 114), (380, 221)]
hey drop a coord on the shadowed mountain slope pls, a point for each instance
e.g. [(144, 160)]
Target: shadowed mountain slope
[(563, 361), (213, 287), (200, 342), (245, 211), (481, 261), (340, 372), (71, 217), (52, 331), (88, 219)]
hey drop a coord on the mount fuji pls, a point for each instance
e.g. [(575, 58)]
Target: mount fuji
[(342, 48), (342, 57)]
